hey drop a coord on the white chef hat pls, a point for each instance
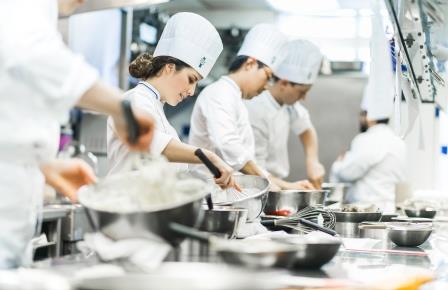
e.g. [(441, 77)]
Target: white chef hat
[(192, 39), (377, 101), (301, 64), (380, 90), (265, 43)]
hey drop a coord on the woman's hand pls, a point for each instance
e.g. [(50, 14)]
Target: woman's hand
[(67, 176), (226, 180)]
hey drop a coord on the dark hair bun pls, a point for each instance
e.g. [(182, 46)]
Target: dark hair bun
[(141, 66)]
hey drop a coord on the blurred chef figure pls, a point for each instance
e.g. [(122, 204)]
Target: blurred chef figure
[(277, 111), (220, 121), (40, 80), (376, 160), (375, 163), (186, 52)]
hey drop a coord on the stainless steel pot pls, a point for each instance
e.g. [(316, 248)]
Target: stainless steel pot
[(223, 220), (377, 231), (255, 203), (356, 217), (146, 223), (289, 202), (347, 222)]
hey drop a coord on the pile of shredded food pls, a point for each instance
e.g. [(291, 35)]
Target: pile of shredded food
[(154, 186)]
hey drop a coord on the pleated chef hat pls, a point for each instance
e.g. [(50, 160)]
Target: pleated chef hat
[(265, 43), (302, 62), (192, 39)]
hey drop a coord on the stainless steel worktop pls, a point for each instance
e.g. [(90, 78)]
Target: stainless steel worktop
[(347, 262)]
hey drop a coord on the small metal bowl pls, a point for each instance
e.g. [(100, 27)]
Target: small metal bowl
[(289, 202), (409, 235), (312, 254), (223, 220), (422, 213)]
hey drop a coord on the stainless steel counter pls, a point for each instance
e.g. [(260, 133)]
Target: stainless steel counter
[(344, 266)]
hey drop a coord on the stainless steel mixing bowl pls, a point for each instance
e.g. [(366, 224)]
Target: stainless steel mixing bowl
[(409, 235), (144, 223), (289, 202), (421, 213), (254, 203)]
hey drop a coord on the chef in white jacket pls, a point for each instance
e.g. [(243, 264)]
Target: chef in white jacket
[(277, 111), (376, 161), (40, 80), (186, 52), (220, 121)]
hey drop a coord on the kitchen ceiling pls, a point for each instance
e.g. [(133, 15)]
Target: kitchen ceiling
[(216, 5), (192, 5)]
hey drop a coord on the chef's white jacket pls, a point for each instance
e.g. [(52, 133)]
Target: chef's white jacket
[(146, 98), (271, 124), (220, 123), (40, 80), (375, 164)]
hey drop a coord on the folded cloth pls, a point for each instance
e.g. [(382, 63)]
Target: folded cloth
[(250, 229), (145, 253)]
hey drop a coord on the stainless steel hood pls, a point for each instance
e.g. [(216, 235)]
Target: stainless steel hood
[(94, 5)]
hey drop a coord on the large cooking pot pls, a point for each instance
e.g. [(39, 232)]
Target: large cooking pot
[(144, 223), (289, 202)]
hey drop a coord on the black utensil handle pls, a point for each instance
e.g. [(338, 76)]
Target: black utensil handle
[(209, 200), (213, 169), (91, 221), (269, 223), (317, 227), (190, 232), (131, 122)]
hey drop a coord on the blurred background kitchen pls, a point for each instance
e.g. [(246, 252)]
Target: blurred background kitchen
[(341, 29)]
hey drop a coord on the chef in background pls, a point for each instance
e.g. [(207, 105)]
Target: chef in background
[(277, 111), (186, 52), (376, 161), (220, 121), (40, 81)]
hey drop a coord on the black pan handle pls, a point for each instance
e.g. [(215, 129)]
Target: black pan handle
[(131, 122), (209, 200), (315, 226), (190, 232), (213, 169), (269, 223)]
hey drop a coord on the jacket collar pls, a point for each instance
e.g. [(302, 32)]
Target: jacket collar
[(272, 100), (150, 88), (232, 84)]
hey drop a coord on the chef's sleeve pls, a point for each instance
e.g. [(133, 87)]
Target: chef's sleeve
[(300, 118)]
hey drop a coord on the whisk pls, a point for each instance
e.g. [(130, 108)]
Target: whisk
[(307, 220), (232, 194)]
